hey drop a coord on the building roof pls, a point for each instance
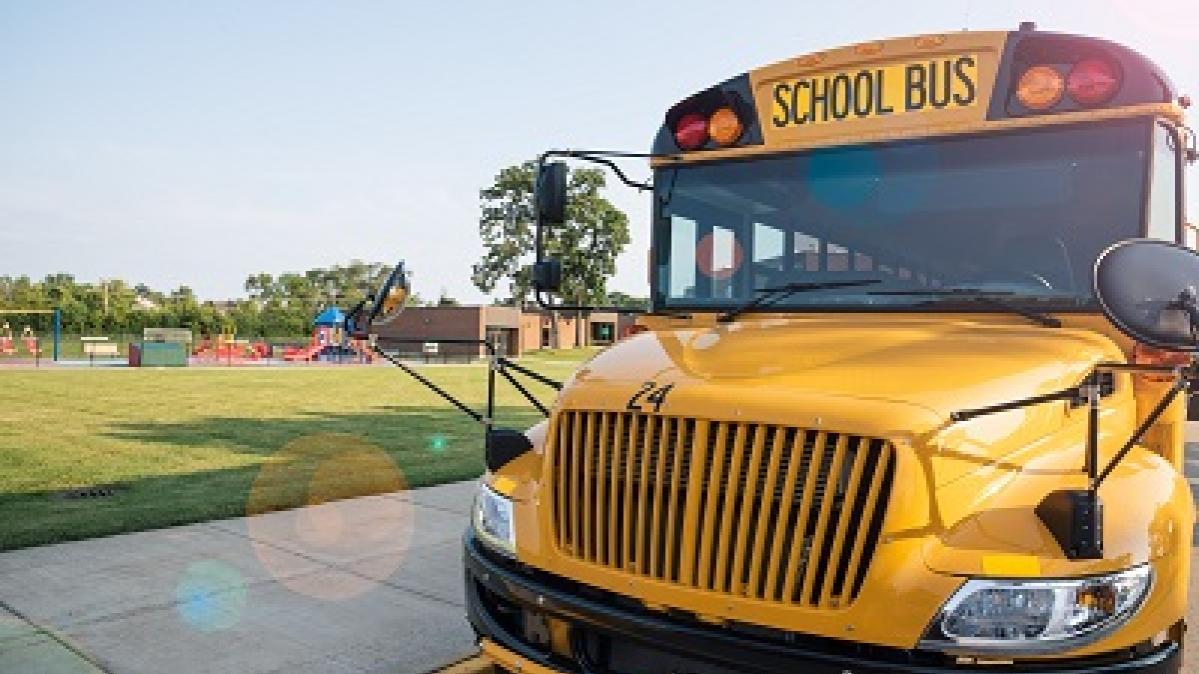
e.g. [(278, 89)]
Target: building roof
[(331, 316)]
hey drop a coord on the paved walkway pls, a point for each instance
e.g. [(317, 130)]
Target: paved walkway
[(359, 586)]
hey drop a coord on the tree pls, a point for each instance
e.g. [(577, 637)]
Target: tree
[(588, 243), (625, 301), (444, 300)]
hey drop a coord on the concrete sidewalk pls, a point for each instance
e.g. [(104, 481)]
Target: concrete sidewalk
[(365, 585)]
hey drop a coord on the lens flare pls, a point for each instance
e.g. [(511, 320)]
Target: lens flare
[(210, 596), (318, 483), (844, 179)]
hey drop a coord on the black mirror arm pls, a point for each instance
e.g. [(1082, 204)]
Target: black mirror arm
[(353, 321), (1180, 383), (604, 158)]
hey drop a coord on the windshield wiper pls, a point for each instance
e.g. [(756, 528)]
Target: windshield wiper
[(993, 298), (773, 294)]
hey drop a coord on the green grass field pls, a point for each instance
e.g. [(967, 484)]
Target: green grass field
[(187, 445)]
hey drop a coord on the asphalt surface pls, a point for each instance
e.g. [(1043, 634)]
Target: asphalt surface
[(364, 586)]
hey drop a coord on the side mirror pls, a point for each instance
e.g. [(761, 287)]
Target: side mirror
[(550, 193), (547, 275), (391, 298), (1147, 288)]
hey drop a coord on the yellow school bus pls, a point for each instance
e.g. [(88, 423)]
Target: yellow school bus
[(877, 418)]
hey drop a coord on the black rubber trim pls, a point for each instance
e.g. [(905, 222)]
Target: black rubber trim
[(718, 647)]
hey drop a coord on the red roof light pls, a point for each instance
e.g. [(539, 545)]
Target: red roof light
[(691, 131), (1093, 81)]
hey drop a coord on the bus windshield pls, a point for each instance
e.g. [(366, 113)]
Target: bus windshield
[(1023, 213)]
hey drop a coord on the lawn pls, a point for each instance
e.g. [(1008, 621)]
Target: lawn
[(184, 445)]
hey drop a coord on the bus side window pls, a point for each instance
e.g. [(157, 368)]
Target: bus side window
[(682, 282), (769, 255), (1163, 186)]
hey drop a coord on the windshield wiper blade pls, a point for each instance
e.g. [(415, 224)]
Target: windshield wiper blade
[(994, 298), (772, 294)]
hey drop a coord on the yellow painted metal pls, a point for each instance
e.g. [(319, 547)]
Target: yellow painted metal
[(475, 664), (859, 540), (805, 510), (586, 504), (659, 491), (708, 533), (762, 530), (631, 454), (576, 451), (601, 503), (672, 509), (613, 511), (982, 49), (643, 496), (779, 535), (732, 485), (867, 398), (861, 452), (964, 491), (750, 494), (695, 485), (822, 520), (511, 662)]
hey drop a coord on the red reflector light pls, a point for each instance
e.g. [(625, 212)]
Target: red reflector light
[(691, 131), (1093, 81)]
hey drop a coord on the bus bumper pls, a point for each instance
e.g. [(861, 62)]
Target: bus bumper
[(614, 639)]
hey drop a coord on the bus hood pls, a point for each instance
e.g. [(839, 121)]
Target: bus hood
[(897, 377), (939, 363)]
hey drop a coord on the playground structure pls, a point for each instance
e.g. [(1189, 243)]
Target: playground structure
[(331, 342), (30, 342), (226, 348)]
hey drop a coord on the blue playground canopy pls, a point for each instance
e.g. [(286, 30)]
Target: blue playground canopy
[(330, 317)]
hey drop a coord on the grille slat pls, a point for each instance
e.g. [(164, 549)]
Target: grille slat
[(732, 492), (694, 487), (837, 549), (712, 504), (779, 536), (826, 508), (616, 506), (765, 512)]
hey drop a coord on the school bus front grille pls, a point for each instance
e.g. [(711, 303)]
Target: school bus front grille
[(761, 511)]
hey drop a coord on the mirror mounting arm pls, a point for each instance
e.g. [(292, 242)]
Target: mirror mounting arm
[(604, 158), (1075, 516)]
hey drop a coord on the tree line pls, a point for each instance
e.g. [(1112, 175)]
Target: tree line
[(281, 306)]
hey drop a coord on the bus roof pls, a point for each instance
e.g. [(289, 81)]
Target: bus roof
[(912, 87)]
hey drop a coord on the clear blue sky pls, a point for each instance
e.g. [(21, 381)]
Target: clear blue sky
[(195, 142)]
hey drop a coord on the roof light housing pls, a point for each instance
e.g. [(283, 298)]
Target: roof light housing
[(712, 119)]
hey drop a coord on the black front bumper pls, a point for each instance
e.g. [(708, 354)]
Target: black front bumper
[(610, 635)]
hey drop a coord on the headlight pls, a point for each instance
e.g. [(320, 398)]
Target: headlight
[(1036, 616), (493, 520)]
